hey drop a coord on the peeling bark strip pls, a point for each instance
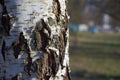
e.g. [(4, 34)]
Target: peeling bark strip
[(34, 42)]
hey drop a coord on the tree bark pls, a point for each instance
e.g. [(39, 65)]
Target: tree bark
[(34, 40)]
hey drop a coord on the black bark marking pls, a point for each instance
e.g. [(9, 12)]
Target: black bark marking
[(67, 73), (40, 38), (21, 45), (16, 49), (45, 38), (3, 50), (29, 65), (4, 78), (62, 45), (15, 78), (61, 58), (41, 66), (47, 77), (2, 2), (45, 26), (54, 62), (65, 38), (5, 19), (34, 67), (17, 46)]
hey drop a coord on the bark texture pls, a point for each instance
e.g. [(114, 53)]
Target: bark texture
[(34, 40)]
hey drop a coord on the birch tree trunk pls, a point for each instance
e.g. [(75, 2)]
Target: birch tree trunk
[(34, 40)]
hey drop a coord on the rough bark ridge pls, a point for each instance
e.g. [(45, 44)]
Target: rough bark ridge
[(34, 40)]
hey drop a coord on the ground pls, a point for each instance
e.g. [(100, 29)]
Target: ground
[(95, 56)]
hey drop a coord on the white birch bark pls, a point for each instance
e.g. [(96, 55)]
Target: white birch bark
[(34, 40)]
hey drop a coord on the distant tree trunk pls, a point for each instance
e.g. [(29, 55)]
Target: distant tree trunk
[(34, 40)]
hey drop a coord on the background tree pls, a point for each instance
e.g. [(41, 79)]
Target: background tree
[(82, 11), (34, 40)]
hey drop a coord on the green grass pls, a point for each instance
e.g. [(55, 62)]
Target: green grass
[(95, 56)]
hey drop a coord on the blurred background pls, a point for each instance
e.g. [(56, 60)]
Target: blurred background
[(94, 39)]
